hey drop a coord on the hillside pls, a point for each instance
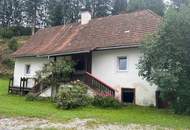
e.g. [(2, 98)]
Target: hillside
[(6, 62)]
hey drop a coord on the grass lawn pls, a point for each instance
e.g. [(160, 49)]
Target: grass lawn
[(17, 106)]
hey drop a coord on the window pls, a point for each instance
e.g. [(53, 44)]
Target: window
[(122, 63), (27, 69)]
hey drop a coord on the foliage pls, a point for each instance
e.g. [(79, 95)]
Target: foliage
[(156, 6), (6, 62), (166, 59), (9, 32), (119, 6), (102, 8), (35, 13), (6, 33), (42, 13), (63, 11), (13, 45), (20, 30), (72, 96), (106, 102), (10, 12), (46, 110), (9, 62), (55, 73), (179, 3)]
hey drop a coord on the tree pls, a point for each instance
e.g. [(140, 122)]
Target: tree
[(156, 6), (13, 45), (17, 14), (55, 13), (119, 6), (102, 8), (5, 12), (11, 12), (35, 13), (54, 74), (179, 3), (63, 11), (166, 59)]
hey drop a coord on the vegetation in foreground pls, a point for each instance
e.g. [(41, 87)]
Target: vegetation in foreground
[(166, 59), (17, 106)]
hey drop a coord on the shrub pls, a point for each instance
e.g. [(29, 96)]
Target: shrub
[(9, 32), (20, 30), (9, 62), (13, 45), (55, 73), (106, 102), (6, 33), (72, 95)]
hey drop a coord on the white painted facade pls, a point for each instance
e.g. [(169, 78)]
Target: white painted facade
[(105, 67), (35, 63)]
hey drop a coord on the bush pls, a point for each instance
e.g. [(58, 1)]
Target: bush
[(72, 95), (6, 33), (21, 31), (9, 32), (106, 102), (9, 62), (13, 45)]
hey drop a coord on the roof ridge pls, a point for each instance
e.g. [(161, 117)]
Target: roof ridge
[(153, 13), (128, 13), (98, 33)]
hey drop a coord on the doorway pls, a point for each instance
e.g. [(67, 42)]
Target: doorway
[(128, 95)]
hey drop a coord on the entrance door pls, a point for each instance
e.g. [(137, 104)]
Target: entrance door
[(83, 62), (128, 95)]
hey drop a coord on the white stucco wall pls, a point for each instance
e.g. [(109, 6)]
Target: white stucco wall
[(19, 70), (104, 66)]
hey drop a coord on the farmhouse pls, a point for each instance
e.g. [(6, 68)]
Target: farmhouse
[(106, 51)]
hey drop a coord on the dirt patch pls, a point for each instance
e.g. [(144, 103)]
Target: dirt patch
[(23, 123)]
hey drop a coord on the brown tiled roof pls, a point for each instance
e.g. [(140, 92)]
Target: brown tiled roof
[(120, 30)]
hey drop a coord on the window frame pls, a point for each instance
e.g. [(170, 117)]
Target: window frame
[(27, 69), (118, 63)]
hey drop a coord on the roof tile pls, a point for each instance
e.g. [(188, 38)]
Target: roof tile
[(118, 30)]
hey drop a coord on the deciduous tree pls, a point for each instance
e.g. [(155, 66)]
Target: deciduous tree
[(119, 6), (156, 6), (166, 59)]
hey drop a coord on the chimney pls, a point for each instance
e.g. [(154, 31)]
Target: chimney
[(85, 16)]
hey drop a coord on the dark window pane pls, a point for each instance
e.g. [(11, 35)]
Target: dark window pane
[(27, 69), (122, 63)]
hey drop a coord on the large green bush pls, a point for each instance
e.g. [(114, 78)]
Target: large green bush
[(72, 95), (106, 102), (166, 59)]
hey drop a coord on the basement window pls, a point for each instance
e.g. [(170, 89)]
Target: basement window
[(27, 69), (122, 63)]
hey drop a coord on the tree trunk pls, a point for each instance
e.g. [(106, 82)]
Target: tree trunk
[(34, 20)]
